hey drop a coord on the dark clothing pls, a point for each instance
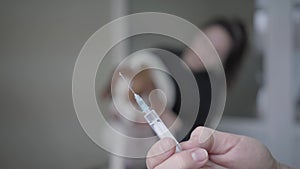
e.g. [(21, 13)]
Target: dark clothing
[(204, 87)]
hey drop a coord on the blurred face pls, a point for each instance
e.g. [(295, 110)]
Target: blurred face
[(219, 38)]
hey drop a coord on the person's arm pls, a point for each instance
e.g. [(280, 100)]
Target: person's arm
[(208, 148)]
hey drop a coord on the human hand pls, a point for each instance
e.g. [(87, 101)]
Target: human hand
[(212, 149)]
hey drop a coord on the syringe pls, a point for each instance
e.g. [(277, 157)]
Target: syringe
[(152, 118)]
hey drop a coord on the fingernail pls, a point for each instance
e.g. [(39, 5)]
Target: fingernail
[(199, 155)]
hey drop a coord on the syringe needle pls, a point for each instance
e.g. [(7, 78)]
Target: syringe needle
[(138, 99), (127, 83), (152, 118)]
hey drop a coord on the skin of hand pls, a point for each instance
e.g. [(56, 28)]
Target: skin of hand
[(212, 149)]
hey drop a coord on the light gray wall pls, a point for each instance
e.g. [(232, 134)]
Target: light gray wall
[(39, 43)]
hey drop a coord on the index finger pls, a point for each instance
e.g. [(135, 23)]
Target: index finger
[(213, 141)]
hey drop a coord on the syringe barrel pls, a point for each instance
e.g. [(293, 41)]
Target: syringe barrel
[(159, 127)]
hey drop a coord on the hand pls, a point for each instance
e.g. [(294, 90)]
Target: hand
[(212, 149)]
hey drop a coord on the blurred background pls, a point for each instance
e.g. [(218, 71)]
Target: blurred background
[(40, 42)]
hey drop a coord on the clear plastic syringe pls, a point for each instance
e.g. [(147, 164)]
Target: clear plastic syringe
[(152, 118)]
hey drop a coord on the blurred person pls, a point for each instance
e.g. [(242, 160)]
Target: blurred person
[(208, 148), (229, 38)]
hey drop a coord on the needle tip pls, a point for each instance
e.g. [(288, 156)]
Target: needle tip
[(126, 82)]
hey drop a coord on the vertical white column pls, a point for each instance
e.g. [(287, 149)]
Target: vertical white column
[(119, 8), (278, 66)]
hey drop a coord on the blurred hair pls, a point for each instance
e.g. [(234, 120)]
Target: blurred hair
[(238, 34)]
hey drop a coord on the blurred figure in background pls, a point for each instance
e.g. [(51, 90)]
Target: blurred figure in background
[(229, 38)]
